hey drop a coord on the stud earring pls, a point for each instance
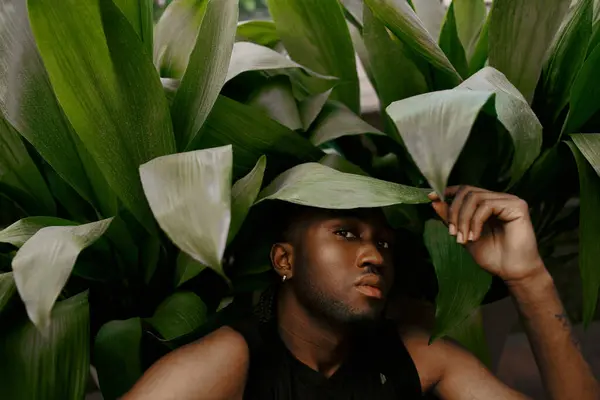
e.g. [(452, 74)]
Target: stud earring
[(283, 278)]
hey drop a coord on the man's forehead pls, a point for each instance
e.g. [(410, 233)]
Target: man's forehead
[(372, 216)]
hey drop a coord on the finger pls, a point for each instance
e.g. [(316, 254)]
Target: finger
[(505, 209), (459, 195), (441, 208), (451, 191), (470, 203)]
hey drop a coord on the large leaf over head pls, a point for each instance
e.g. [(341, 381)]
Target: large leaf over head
[(190, 196), (388, 56), (253, 135), (243, 195), (206, 72), (178, 315), (584, 94), (54, 364), (589, 221), (462, 283), (117, 356), (470, 16), (106, 84), (32, 108), (44, 263), (276, 99), (400, 18), (252, 57), (519, 37), (567, 54), (315, 34), (175, 36), (19, 177), (335, 121), (516, 116), (314, 184), (20, 232), (435, 127)]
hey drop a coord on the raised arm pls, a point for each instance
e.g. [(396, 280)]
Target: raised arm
[(497, 231), (213, 368)]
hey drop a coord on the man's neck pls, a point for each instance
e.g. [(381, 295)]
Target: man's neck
[(316, 343)]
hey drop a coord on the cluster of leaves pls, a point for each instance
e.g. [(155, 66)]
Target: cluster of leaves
[(138, 162)]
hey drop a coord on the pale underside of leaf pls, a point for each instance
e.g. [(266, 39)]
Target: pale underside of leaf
[(44, 263), (435, 127), (316, 185), (190, 194), (20, 232)]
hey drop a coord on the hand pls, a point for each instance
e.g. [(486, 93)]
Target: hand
[(495, 228)]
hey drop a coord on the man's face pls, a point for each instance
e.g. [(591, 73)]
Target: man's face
[(343, 269)]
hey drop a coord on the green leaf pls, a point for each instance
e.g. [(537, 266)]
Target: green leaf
[(479, 55), (451, 45), (42, 266), (252, 57), (335, 121), (7, 289), (276, 99), (206, 72), (21, 231), (519, 37), (431, 13), (54, 364), (32, 108), (110, 92), (388, 55), (243, 195), (186, 268), (584, 94), (589, 221), (139, 13), (175, 36), (355, 9), (311, 107), (19, 177), (253, 135), (462, 283), (315, 34), (471, 334), (435, 127), (567, 55), (400, 18), (470, 16), (316, 185), (178, 315), (589, 145), (263, 33), (516, 116), (339, 163), (117, 356), (175, 185)]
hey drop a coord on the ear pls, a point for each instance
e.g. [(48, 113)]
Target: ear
[(282, 259)]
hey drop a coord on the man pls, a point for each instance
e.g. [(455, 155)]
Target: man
[(327, 338)]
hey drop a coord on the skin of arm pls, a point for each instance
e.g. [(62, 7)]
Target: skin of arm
[(497, 231), (213, 368)]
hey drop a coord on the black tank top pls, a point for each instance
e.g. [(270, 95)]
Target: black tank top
[(379, 367)]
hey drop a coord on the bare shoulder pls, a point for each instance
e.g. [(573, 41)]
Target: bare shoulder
[(212, 368), (452, 372)]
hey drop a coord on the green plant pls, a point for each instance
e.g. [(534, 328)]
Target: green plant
[(137, 164)]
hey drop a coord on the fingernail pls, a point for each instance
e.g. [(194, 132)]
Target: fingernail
[(432, 195), (452, 229), (471, 236), (459, 237)]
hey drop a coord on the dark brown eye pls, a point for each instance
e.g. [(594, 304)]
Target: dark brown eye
[(345, 233)]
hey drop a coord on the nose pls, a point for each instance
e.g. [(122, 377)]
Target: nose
[(370, 256)]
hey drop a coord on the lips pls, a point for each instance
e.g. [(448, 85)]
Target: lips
[(371, 285)]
